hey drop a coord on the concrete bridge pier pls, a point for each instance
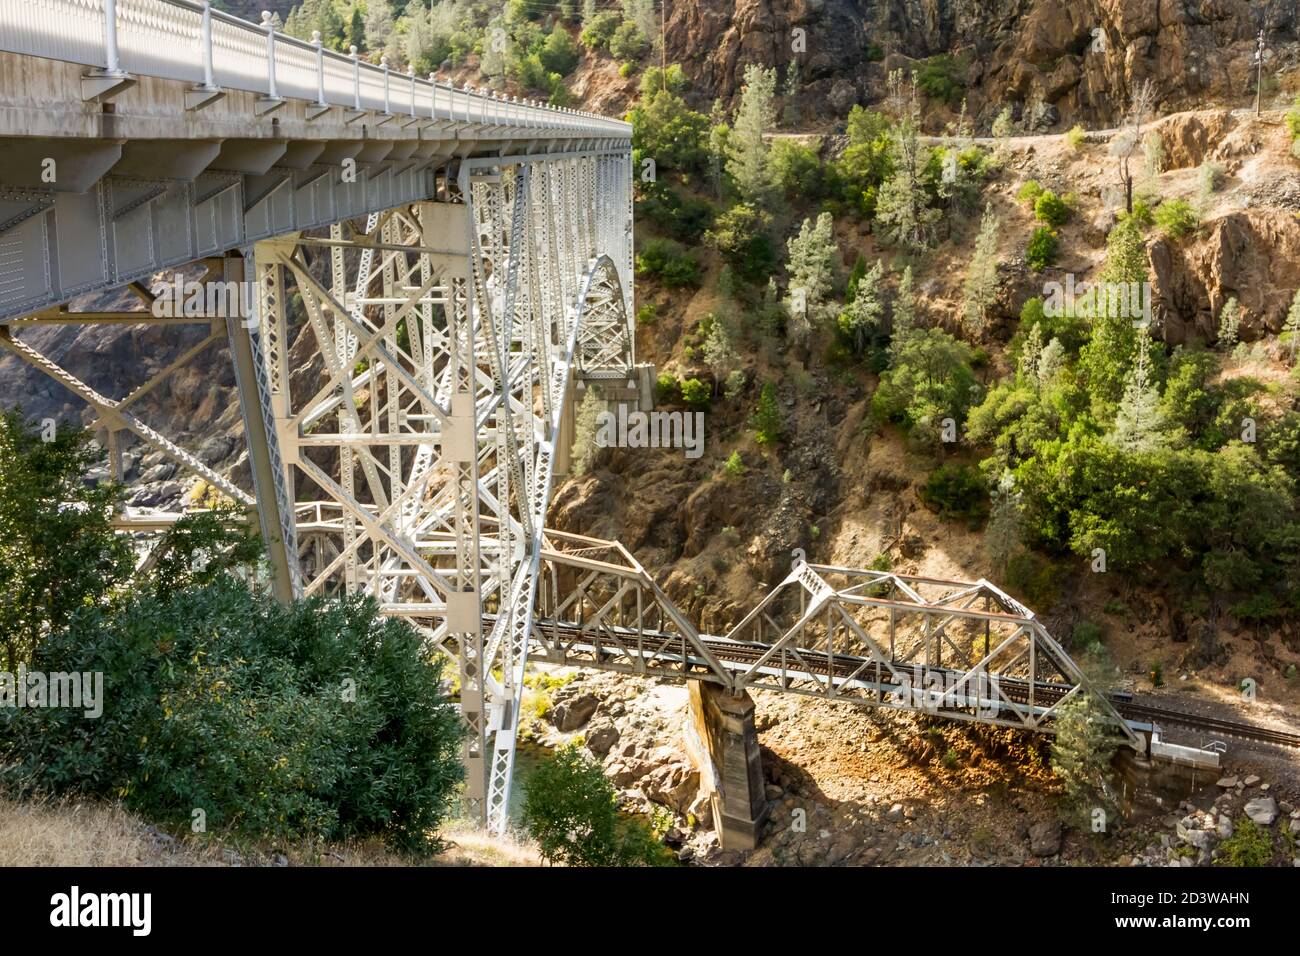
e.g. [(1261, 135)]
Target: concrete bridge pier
[(725, 748)]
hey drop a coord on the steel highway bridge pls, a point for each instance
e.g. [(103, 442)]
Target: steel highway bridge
[(412, 280)]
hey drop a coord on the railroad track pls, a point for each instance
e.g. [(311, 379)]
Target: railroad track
[(744, 655)]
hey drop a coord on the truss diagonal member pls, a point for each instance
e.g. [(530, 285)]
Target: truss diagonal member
[(375, 527), (115, 417)]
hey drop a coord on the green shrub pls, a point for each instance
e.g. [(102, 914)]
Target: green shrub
[(684, 218), (956, 490), (600, 30), (1029, 192), (1249, 845), (735, 465), (696, 393), (1293, 119), (648, 314), (571, 810), (666, 388), (1175, 218), (1086, 634), (58, 549), (1051, 209), (626, 70), (1141, 214), (672, 264), (1042, 248), (931, 380), (320, 720), (558, 53), (628, 43), (1031, 578), (740, 235), (1075, 137), (940, 78)]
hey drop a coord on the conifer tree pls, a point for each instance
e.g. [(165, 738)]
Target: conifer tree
[(749, 161), (981, 287)]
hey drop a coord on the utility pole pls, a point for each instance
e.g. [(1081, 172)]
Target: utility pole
[(1259, 70)]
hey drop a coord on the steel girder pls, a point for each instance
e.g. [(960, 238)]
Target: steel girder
[(449, 335)]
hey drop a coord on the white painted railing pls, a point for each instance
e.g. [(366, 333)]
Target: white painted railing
[(166, 38)]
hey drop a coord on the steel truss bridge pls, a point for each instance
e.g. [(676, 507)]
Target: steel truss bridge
[(430, 273)]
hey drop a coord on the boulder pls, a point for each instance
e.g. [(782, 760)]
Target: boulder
[(573, 713), (673, 785), (1263, 810), (600, 738), (1045, 838)]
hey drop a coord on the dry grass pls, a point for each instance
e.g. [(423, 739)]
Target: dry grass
[(69, 833)]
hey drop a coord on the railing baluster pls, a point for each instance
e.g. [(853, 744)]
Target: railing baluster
[(112, 62)]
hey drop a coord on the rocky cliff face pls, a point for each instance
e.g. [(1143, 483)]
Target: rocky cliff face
[(1081, 59)]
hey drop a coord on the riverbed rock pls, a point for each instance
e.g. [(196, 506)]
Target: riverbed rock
[(572, 714), (601, 738)]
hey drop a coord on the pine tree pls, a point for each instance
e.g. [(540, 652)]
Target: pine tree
[(1229, 323), (1002, 536), (811, 269), (719, 354), (1292, 325), (1031, 353), (981, 288), (1085, 744), (749, 160), (855, 276), (904, 312), (863, 314), (1051, 361), (767, 417), (1108, 355), (1140, 424), (902, 204), (588, 11)]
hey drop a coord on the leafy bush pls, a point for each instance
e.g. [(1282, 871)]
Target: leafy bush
[(956, 490), (931, 380), (1029, 192), (1051, 209), (673, 265), (317, 720), (1042, 248), (668, 131), (58, 549), (571, 810), (684, 218), (696, 393), (1293, 119), (940, 78), (1031, 578), (1075, 137), (740, 235), (559, 54), (666, 388), (1175, 218), (1086, 634), (734, 466), (628, 43), (600, 30)]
